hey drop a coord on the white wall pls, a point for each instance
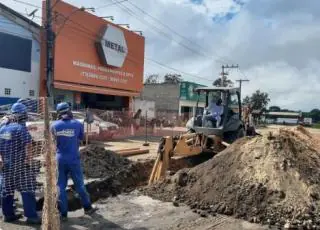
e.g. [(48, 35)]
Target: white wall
[(20, 82), (144, 105), (192, 104)]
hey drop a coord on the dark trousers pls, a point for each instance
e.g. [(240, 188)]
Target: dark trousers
[(75, 171), (29, 205)]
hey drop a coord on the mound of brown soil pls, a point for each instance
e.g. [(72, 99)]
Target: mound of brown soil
[(269, 179), (98, 162)]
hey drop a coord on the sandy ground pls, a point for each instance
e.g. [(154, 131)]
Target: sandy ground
[(133, 211)]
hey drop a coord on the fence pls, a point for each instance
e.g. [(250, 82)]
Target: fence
[(111, 125), (28, 155), (34, 170)]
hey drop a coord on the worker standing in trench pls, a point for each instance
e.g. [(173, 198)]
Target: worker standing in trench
[(68, 134)]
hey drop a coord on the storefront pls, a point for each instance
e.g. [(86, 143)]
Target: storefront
[(189, 99), (96, 63)]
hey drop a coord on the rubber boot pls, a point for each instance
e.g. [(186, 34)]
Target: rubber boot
[(8, 209), (30, 209)]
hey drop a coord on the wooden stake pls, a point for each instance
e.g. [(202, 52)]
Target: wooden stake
[(154, 170), (125, 150), (134, 152)]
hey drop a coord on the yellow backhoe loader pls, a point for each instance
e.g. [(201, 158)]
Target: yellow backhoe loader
[(205, 135)]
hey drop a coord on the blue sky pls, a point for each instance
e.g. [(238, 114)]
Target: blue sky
[(226, 15)]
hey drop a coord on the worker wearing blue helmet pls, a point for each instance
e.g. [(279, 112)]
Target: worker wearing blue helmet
[(68, 133), (16, 157)]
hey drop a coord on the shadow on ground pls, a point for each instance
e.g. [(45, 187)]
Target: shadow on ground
[(95, 222)]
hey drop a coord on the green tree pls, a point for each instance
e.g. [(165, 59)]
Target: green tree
[(315, 115), (246, 100), (258, 100), (152, 79), (227, 82), (173, 78), (274, 109)]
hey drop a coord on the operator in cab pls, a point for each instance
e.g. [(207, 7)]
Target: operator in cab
[(215, 109)]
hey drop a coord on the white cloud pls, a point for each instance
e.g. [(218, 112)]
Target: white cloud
[(275, 42)]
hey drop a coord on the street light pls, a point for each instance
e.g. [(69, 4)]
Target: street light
[(125, 25), (138, 31), (66, 18), (82, 8), (108, 17)]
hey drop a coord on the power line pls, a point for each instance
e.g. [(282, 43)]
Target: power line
[(154, 62), (224, 74), (110, 4), (240, 84), (128, 10), (179, 71), (93, 35), (27, 3), (160, 31), (181, 36), (170, 29), (173, 31)]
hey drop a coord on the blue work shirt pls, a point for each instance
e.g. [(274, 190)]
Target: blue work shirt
[(13, 140), (68, 134)]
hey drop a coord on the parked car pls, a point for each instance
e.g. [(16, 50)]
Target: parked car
[(35, 124)]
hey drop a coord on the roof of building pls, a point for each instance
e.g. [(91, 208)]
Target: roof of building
[(217, 88), (16, 14), (283, 113), (191, 82)]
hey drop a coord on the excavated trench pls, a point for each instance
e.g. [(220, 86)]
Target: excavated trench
[(108, 174)]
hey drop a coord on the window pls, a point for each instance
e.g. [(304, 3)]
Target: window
[(31, 93), (18, 52), (234, 103), (7, 91)]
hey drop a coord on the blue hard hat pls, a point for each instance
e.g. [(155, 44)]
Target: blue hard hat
[(23, 100), (63, 107), (18, 108)]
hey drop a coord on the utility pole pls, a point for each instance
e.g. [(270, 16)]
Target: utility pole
[(49, 47), (223, 78), (240, 84), (224, 74)]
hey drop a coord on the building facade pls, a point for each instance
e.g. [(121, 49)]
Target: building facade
[(174, 100), (285, 118), (19, 56), (97, 64)]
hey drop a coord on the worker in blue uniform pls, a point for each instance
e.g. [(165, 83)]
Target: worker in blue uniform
[(68, 133), (16, 157)]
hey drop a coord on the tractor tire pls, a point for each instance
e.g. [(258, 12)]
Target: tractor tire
[(231, 137), (190, 131)]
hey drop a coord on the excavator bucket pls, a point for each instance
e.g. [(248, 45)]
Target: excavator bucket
[(184, 145), (161, 164)]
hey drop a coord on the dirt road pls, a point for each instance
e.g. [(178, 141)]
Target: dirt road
[(133, 211)]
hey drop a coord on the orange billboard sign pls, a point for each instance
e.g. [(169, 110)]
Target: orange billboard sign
[(90, 51)]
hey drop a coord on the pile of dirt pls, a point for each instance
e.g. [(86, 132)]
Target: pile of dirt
[(98, 162), (108, 175), (272, 179)]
